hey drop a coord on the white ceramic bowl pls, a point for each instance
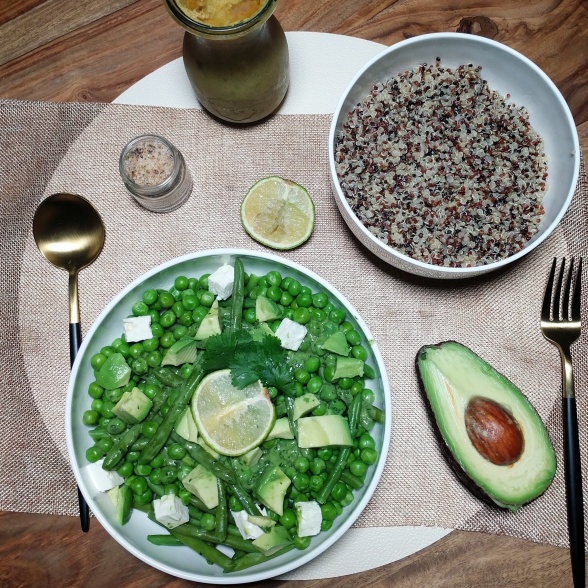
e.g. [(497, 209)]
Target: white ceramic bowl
[(181, 561), (507, 72)]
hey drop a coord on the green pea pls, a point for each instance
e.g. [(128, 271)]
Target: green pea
[(359, 352), (312, 364), (249, 315), (199, 313), (301, 542), (151, 344), (294, 287), (90, 417), (171, 489), (166, 299), (286, 298), (97, 360), (329, 373), (190, 302), (148, 429), (314, 384), (320, 300), (168, 474), (318, 315), (150, 296), (235, 505), (345, 383), (154, 358), (274, 293), (138, 485), (317, 465), (207, 522), (157, 330), (167, 340), (94, 453), (167, 319), (301, 481), (185, 495), (181, 283), (328, 392), (142, 469), (316, 483), (301, 315), (288, 519), (274, 278), (140, 309), (356, 388), (301, 375), (116, 426), (133, 456), (95, 391), (326, 525), (368, 396), (176, 451), (125, 470), (142, 499), (329, 511), (358, 468), (106, 409), (136, 349), (207, 299), (301, 464), (366, 441), (337, 316), (369, 372), (304, 300), (320, 409), (155, 476), (325, 453), (369, 455)]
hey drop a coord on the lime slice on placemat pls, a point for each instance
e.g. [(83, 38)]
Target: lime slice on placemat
[(230, 420), (278, 213)]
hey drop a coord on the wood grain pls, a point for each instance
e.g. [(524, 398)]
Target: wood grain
[(67, 50)]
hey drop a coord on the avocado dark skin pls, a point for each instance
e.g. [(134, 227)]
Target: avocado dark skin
[(442, 371)]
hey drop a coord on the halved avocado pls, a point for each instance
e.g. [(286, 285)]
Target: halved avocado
[(491, 434)]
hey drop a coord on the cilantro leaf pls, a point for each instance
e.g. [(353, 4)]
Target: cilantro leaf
[(219, 350)]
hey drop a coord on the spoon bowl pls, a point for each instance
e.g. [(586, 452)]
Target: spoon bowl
[(70, 234)]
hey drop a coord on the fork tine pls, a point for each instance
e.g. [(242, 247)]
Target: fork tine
[(565, 308), (557, 295), (546, 309), (577, 293)]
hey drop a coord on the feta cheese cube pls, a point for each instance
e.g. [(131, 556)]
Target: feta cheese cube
[(102, 480), (291, 334), (170, 511), (310, 518), (247, 529), (137, 328), (221, 281)]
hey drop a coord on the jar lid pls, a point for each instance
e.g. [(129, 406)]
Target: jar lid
[(229, 17)]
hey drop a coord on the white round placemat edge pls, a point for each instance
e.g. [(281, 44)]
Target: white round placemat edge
[(313, 90)]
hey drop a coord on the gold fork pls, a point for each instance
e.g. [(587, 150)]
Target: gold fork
[(561, 325)]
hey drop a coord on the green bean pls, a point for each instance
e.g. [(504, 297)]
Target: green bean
[(252, 559), (231, 540), (168, 377), (290, 415), (207, 551), (354, 412), (121, 447), (204, 458), (168, 540), (351, 480), (238, 296), (169, 420), (197, 503), (243, 497), (158, 489), (222, 511), (376, 414)]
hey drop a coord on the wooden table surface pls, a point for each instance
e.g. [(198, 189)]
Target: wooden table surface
[(67, 50)]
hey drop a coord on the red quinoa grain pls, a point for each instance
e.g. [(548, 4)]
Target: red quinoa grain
[(442, 168)]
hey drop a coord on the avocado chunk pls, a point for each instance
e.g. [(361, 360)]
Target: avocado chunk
[(202, 484), (271, 488), (323, 431), (210, 324), (186, 426), (337, 343), (133, 406), (182, 351), (304, 404), (348, 367), (266, 309), (280, 430), (114, 373), (490, 433), (272, 541)]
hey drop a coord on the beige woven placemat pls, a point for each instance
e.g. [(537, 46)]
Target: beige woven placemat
[(48, 148)]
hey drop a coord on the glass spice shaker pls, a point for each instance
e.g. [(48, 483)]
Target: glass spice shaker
[(235, 54), (155, 173)]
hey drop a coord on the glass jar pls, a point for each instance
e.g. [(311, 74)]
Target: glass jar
[(155, 174), (239, 70)]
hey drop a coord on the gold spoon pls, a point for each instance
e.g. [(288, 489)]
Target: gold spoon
[(70, 234)]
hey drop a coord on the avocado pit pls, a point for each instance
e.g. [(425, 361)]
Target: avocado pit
[(493, 431)]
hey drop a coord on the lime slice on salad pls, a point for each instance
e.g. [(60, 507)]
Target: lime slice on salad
[(278, 213), (230, 420)]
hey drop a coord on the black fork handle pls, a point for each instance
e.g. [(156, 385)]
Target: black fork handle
[(75, 340), (574, 495)]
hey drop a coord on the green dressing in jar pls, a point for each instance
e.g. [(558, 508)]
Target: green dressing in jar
[(235, 54)]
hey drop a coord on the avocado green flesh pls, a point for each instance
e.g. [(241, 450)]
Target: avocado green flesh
[(451, 375)]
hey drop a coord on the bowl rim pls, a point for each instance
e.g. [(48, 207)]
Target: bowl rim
[(427, 269), (249, 575)]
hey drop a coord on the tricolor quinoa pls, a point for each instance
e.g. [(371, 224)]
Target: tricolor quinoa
[(442, 168)]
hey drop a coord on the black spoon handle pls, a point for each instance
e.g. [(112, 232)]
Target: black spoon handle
[(575, 502), (75, 340)]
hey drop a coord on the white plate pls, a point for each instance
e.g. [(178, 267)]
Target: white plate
[(321, 67), (181, 561)]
